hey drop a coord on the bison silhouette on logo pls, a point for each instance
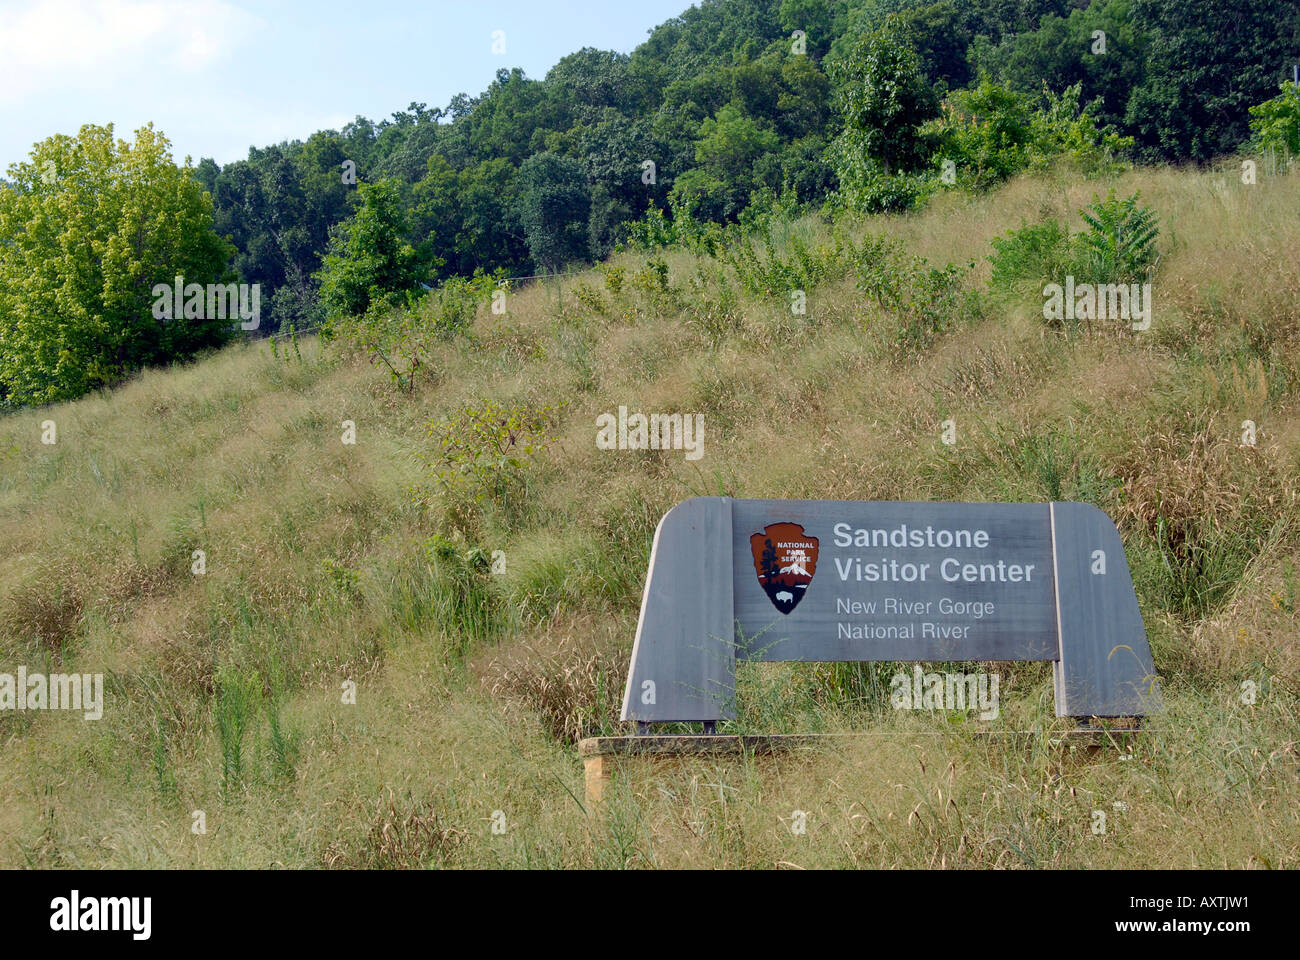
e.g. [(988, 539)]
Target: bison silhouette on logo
[(785, 559)]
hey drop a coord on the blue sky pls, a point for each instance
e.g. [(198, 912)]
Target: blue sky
[(220, 75)]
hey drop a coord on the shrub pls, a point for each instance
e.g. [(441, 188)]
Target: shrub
[(988, 132), (684, 229), (614, 277), (483, 448), (873, 191), (389, 336), (716, 316), (767, 267), (991, 133), (1120, 239), (1119, 245), (1062, 128), (1030, 255), (457, 303), (652, 231), (923, 299)]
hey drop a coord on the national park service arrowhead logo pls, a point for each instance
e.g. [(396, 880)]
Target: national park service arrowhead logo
[(785, 560)]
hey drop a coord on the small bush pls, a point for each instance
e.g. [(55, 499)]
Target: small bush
[(1117, 247), (1031, 255), (766, 266), (457, 303), (924, 300), (614, 277), (1120, 239), (484, 448), (878, 192)]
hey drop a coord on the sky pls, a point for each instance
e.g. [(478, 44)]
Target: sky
[(218, 76)]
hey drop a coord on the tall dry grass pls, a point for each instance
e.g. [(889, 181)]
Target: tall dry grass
[(319, 572)]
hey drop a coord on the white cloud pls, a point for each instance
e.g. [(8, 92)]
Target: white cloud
[(53, 45)]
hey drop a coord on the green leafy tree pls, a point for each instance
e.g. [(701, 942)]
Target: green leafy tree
[(369, 258), (805, 170), (730, 152), (490, 233), (941, 37), (814, 17), (988, 132), (1275, 123), (88, 226), (1061, 52), (590, 81), (554, 208), (613, 150), (512, 117), (802, 99), (884, 100), (278, 207)]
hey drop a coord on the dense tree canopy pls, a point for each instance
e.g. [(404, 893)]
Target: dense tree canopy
[(1207, 64), (857, 102), (737, 96)]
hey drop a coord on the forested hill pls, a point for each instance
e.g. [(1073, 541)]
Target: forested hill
[(726, 100), (733, 112)]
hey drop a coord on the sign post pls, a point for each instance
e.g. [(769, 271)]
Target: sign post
[(827, 580)]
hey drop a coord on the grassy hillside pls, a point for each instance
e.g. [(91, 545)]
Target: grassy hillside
[(328, 562)]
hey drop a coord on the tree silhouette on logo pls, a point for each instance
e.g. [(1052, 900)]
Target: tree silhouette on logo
[(770, 567)]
